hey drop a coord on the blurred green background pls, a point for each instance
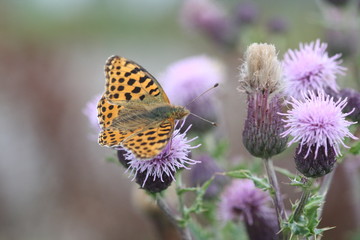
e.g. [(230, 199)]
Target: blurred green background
[(54, 181)]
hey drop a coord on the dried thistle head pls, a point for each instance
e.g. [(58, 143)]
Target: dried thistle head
[(261, 70)]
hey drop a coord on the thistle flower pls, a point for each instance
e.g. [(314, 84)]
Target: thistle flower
[(353, 104), (261, 70), (90, 111), (338, 3), (277, 25), (242, 201), (157, 174), (246, 13), (310, 69), (202, 172), (192, 76), (342, 41), (260, 79), (208, 17), (317, 121)]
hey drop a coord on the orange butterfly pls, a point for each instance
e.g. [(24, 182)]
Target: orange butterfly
[(134, 112)]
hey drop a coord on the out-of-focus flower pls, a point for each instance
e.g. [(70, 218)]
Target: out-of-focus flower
[(208, 17), (310, 69), (317, 121), (191, 77), (353, 103), (156, 174), (242, 201), (246, 13), (342, 41), (203, 171), (260, 79), (91, 112), (338, 3), (277, 25)]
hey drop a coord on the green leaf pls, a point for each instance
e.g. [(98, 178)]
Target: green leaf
[(112, 160), (287, 173), (355, 149), (261, 183), (189, 189), (306, 225)]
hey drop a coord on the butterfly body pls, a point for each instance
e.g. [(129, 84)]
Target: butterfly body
[(134, 111)]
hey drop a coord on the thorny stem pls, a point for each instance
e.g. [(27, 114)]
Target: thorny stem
[(182, 207), (278, 202), (304, 197), (325, 188), (184, 232)]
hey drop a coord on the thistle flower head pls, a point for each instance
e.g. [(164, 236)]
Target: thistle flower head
[(90, 111), (260, 78), (261, 69), (318, 121), (310, 69), (203, 171), (208, 17), (246, 12), (353, 104), (241, 200), (152, 174), (277, 25), (192, 76)]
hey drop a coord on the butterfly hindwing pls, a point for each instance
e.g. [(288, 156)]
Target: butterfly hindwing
[(150, 142), (127, 81)]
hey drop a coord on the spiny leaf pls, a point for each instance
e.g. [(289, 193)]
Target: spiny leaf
[(261, 183)]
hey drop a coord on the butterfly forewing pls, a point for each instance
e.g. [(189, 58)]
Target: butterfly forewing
[(127, 81)]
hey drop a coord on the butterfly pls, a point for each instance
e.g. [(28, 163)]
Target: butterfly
[(135, 112)]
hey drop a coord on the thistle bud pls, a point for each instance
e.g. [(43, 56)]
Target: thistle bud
[(260, 79), (263, 126)]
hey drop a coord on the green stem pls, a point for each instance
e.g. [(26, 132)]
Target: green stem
[(324, 189), (277, 198), (304, 198), (182, 208), (184, 232)]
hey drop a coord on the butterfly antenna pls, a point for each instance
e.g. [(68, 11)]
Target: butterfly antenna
[(212, 123), (216, 84)]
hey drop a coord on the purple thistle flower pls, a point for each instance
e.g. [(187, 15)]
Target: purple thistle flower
[(342, 41), (353, 104), (241, 200), (208, 17), (203, 171), (246, 12), (192, 76), (277, 25), (162, 167), (310, 69), (90, 111), (317, 120)]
